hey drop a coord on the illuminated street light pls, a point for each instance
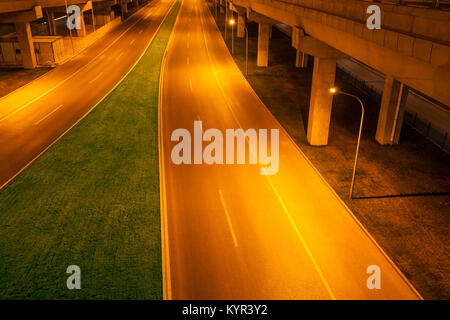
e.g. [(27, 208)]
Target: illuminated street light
[(336, 91), (233, 22), (232, 35)]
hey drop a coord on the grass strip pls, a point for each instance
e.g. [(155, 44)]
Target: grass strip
[(92, 200)]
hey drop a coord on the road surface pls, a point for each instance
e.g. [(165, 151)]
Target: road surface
[(230, 232), (34, 116)]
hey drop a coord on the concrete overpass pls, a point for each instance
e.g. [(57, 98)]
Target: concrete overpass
[(412, 49), (22, 12)]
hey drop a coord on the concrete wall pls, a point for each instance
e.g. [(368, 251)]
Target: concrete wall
[(50, 50), (10, 53)]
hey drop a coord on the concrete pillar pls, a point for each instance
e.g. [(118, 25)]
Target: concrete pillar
[(221, 6), (124, 6), (51, 25), (81, 32), (136, 4), (392, 105), (321, 101), (401, 114), (240, 26), (301, 60), (23, 31), (263, 45)]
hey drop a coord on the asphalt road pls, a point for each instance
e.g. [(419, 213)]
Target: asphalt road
[(231, 233), (34, 116)]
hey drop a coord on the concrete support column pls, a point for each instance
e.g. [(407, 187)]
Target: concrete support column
[(221, 6), (321, 101), (124, 6), (240, 26), (51, 25), (23, 31), (136, 4), (81, 32), (263, 45), (392, 106), (301, 60)]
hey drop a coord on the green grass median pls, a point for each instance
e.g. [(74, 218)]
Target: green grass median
[(92, 200)]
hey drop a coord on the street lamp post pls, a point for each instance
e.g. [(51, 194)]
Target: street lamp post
[(335, 91), (246, 51), (232, 35), (232, 22), (70, 30)]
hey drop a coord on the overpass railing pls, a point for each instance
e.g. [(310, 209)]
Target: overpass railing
[(436, 4)]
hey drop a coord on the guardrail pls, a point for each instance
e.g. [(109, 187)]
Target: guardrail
[(436, 4)]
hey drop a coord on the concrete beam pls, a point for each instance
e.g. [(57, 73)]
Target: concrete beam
[(259, 18), (22, 16), (105, 4), (86, 6), (240, 10), (312, 46)]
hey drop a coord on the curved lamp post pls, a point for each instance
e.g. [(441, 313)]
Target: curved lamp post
[(232, 22), (336, 91)]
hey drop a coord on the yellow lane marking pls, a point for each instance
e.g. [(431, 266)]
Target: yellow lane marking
[(96, 78), (49, 114), (165, 252), (118, 57), (228, 218), (190, 83)]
